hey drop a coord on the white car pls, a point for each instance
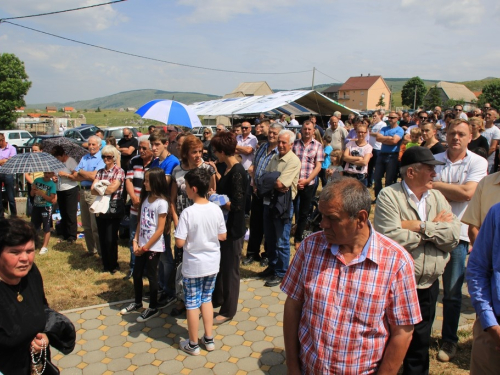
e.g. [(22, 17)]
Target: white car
[(16, 138)]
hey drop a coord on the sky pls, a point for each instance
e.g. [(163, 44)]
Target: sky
[(433, 39)]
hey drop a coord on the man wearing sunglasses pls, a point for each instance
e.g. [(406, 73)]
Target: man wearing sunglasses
[(423, 117), (457, 179), (85, 173), (128, 147), (458, 110)]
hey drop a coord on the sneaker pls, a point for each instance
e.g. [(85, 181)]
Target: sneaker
[(209, 343), (186, 347), (148, 314), (130, 308), (43, 250), (165, 301), (447, 352)]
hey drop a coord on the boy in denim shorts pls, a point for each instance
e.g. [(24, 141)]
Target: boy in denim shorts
[(201, 227), (44, 193)]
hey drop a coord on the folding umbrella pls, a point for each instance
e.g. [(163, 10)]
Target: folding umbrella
[(32, 162), (70, 148), (169, 112)]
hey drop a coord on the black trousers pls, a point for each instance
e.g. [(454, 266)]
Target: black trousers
[(305, 197), (416, 361), (108, 239), (227, 284), (147, 264), (68, 206), (256, 229)]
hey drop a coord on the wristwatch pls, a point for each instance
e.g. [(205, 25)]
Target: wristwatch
[(422, 227)]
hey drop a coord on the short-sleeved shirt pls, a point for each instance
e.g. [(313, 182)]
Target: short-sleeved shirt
[(90, 163), (326, 163), (200, 225), (178, 174), (135, 173), (251, 140), (375, 129), (125, 143), (113, 174), (64, 183), (355, 150), (168, 164), (149, 223), (487, 194), (308, 155), (347, 308), (472, 168), (48, 187), (7, 152), (491, 134), (390, 132), (289, 167)]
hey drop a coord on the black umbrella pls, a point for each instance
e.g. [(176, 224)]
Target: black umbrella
[(71, 149)]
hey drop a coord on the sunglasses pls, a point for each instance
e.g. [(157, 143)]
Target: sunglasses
[(392, 117), (107, 157), (245, 127), (206, 132), (458, 110), (423, 118), (143, 148)]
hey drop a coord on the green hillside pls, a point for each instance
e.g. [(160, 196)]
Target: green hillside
[(478, 85), (134, 98)]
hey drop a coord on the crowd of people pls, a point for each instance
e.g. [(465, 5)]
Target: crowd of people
[(361, 294)]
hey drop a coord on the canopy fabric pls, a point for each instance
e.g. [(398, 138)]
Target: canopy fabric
[(298, 102)]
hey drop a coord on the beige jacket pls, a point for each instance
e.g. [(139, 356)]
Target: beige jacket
[(430, 250)]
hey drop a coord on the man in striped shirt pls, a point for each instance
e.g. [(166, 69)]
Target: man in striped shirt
[(352, 299)]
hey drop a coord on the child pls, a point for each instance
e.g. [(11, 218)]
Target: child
[(44, 193), (327, 149), (201, 227), (148, 240), (335, 169), (415, 135)]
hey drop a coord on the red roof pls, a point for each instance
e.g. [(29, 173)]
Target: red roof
[(33, 115), (359, 83), (69, 109), (477, 93)]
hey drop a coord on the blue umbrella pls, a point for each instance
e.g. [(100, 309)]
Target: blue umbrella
[(169, 112)]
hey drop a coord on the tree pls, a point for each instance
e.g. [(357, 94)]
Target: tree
[(432, 98), (98, 109), (408, 92), (14, 85), (490, 94), (381, 102)]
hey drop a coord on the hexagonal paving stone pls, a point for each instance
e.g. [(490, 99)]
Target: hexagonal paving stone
[(241, 316), (258, 312), (115, 341), (240, 351), (90, 314), (255, 284), (246, 325), (274, 331), (254, 336), (112, 320), (193, 362), (260, 346), (226, 329), (251, 303), (271, 358), (233, 340), (113, 330), (92, 345), (225, 368), (171, 367), (267, 321), (93, 356), (142, 359), (119, 364), (117, 352), (91, 324), (94, 368), (264, 291), (218, 356), (71, 360), (278, 370), (93, 334), (276, 308), (269, 300), (249, 364), (158, 332), (166, 354), (140, 347), (201, 371), (147, 370)]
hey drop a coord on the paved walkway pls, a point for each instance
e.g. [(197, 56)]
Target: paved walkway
[(252, 343)]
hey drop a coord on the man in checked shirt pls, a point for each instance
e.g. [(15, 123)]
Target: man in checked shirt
[(352, 299)]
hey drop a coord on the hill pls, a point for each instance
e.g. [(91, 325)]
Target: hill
[(134, 98)]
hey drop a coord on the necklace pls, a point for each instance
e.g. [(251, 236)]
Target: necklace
[(19, 297)]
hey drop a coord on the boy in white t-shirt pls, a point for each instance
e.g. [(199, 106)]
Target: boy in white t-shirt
[(201, 227)]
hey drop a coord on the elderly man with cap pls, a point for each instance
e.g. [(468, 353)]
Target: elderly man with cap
[(420, 219)]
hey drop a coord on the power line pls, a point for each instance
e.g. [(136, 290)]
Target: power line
[(61, 11), (152, 58)]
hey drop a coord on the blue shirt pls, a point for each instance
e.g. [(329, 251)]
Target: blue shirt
[(483, 270), (168, 164), (262, 159), (90, 163), (389, 132), (326, 162)]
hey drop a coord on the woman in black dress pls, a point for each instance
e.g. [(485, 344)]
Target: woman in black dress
[(233, 183)]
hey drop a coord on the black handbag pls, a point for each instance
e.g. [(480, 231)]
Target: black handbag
[(60, 331)]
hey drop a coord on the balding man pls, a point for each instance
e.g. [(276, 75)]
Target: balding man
[(128, 147), (337, 133)]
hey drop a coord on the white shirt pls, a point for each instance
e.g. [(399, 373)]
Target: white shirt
[(341, 123), (491, 134), (251, 140), (375, 129), (410, 127), (64, 183), (471, 168), (421, 204), (200, 225), (149, 223), (294, 122)]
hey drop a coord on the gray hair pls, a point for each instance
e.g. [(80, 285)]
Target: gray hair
[(337, 114), (145, 138), (404, 170), (355, 196), (109, 149), (95, 138), (290, 133), (276, 126)]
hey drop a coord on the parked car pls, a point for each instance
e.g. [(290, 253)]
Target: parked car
[(81, 134), (198, 132), (16, 138), (117, 132), (39, 139)]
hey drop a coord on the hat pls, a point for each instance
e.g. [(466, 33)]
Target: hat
[(417, 154)]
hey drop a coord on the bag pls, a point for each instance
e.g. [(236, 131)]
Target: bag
[(60, 331), (116, 209), (50, 368)]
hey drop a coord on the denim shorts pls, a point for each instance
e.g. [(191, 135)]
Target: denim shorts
[(198, 290), (41, 216)]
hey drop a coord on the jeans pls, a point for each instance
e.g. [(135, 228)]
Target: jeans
[(166, 269), (147, 264), (387, 164), (8, 182), (132, 228), (277, 234), (303, 200), (371, 166), (453, 279)]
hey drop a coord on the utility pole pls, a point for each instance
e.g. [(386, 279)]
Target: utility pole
[(312, 85), (415, 99)]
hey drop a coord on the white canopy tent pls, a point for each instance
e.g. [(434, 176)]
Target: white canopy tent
[(297, 102)]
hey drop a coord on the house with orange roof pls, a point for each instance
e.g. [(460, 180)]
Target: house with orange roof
[(364, 92), (68, 109)]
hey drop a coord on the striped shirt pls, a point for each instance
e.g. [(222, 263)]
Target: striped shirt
[(135, 173), (308, 156), (347, 308), (262, 159)]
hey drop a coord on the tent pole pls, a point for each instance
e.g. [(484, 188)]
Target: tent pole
[(312, 85)]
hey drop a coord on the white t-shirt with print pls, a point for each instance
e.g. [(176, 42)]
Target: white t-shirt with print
[(355, 150), (200, 225), (149, 223)]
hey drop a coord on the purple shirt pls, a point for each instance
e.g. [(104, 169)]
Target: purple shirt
[(7, 152)]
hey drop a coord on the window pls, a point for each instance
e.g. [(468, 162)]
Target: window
[(362, 93), (14, 136), (25, 135), (360, 104)]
